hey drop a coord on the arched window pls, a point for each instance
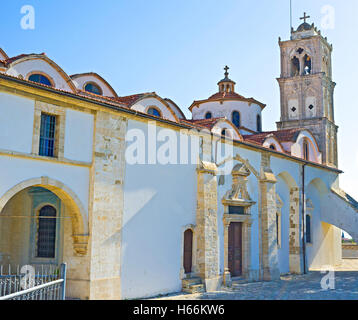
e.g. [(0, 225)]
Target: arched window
[(93, 88), (223, 132), (46, 234), (154, 112), (308, 229), (272, 147), (188, 251), (295, 67), (208, 115), (39, 78), (236, 119), (258, 123), (307, 64), (306, 149)]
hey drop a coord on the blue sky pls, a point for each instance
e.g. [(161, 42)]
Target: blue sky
[(179, 49)]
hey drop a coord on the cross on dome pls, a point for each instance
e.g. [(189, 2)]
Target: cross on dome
[(305, 17), (226, 71)]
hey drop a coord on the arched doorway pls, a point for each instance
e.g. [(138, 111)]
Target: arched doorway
[(188, 251)]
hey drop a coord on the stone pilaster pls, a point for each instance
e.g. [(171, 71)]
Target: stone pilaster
[(207, 229), (268, 209), (107, 205), (294, 232)]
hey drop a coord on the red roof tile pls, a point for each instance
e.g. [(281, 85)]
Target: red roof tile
[(281, 135), (207, 123), (12, 59), (226, 95)]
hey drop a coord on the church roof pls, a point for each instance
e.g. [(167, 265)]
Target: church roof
[(208, 123), (20, 56), (220, 96), (129, 100), (226, 95), (285, 135)]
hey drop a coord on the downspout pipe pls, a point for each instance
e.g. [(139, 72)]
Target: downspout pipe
[(303, 219)]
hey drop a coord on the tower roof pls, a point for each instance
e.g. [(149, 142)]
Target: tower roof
[(304, 30), (304, 27), (226, 79)]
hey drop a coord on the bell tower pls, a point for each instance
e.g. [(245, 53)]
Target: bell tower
[(307, 89)]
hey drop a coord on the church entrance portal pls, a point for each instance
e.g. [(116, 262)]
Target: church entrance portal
[(235, 249)]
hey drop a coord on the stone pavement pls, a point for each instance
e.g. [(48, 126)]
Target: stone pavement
[(290, 287)]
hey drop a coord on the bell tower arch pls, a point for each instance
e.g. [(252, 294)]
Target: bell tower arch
[(307, 88)]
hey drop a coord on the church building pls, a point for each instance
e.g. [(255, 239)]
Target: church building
[(69, 191)]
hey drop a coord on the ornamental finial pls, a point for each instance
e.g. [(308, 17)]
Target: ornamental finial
[(226, 71)]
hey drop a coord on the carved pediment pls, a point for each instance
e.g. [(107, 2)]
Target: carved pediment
[(238, 194)]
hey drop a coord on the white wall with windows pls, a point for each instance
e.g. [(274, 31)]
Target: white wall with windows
[(248, 112)]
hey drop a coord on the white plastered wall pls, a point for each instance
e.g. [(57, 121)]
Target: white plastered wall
[(81, 81), (248, 112), (144, 104)]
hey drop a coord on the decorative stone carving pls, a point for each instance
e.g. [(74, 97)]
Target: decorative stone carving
[(238, 195)]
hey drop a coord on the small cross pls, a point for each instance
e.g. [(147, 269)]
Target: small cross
[(305, 17), (226, 69)]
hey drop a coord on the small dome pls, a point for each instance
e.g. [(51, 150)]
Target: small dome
[(304, 27)]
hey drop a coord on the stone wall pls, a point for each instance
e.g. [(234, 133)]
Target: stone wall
[(207, 256), (107, 176)]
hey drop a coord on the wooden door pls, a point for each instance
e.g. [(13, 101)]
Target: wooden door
[(188, 250), (235, 249)]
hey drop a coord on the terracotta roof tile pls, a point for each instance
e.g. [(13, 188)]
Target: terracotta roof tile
[(281, 135), (226, 95), (207, 123), (12, 59)]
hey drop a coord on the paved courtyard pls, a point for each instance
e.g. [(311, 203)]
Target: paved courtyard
[(299, 287)]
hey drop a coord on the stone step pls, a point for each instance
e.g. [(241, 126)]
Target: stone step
[(190, 281), (195, 288), (238, 282)]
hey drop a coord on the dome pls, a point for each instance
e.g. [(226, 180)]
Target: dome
[(304, 27)]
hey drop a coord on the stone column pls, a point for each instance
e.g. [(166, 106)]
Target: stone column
[(247, 249), (106, 208), (269, 253), (227, 274), (207, 229)]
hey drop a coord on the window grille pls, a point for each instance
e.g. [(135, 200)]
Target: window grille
[(46, 236), (47, 135)]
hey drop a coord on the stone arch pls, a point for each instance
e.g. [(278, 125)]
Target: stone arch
[(293, 223), (300, 52), (319, 184), (288, 179), (328, 217), (68, 197)]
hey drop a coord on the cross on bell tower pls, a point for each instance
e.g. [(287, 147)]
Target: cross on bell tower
[(304, 18)]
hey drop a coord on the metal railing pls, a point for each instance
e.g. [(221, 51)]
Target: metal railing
[(44, 282)]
